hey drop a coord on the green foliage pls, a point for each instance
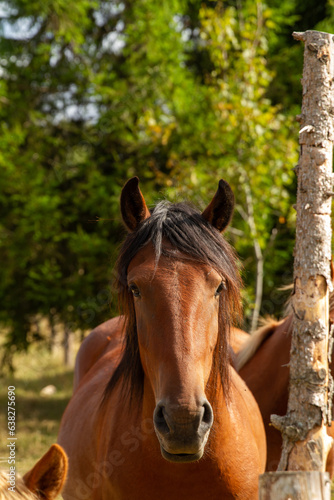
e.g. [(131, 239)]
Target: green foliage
[(247, 140), (180, 93)]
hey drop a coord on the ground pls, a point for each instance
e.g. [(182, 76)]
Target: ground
[(37, 417)]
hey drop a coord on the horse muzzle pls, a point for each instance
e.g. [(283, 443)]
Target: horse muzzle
[(182, 432)]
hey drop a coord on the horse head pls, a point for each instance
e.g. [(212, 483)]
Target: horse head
[(179, 282)]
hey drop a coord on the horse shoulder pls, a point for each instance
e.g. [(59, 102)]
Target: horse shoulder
[(82, 428), (106, 337)]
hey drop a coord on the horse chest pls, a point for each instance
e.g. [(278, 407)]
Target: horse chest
[(199, 481), (140, 472)]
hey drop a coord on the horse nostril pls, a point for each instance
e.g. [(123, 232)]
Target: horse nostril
[(159, 420), (208, 414)]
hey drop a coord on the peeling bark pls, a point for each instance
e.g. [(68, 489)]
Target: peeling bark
[(305, 441), (294, 485)]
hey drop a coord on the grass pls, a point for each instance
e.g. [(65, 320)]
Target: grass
[(37, 417)]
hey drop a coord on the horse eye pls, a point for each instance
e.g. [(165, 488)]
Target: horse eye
[(221, 287), (135, 290)]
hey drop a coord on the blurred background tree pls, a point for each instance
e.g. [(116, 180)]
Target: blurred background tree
[(180, 93)]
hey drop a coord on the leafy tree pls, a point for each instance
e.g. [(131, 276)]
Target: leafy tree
[(247, 139), (180, 93), (84, 95)]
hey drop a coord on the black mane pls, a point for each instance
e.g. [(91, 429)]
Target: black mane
[(192, 236)]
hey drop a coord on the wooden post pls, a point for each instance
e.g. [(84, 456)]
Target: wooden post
[(305, 440), (295, 486)]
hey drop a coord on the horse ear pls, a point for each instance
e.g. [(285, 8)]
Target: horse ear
[(220, 210), (46, 479), (133, 206)]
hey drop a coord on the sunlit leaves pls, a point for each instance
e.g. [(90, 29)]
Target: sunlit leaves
[(95, 92)]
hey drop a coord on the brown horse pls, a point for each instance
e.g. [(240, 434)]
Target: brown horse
[(263, 362), (43, 482), (110, 335), (163, 414)]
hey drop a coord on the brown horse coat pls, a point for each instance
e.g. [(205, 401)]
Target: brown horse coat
[(158, 411)]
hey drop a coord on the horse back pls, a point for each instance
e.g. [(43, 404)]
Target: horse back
[(107, 337), (238, 339)]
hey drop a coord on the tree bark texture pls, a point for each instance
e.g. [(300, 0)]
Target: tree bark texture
[(305, 441), (294, 486)]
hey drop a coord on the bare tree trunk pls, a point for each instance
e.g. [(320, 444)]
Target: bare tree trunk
[(68, 346), (259, 259), (249, 218), (304, 485), (259, 255), (305, 440), (52, 340), (258, 285)]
